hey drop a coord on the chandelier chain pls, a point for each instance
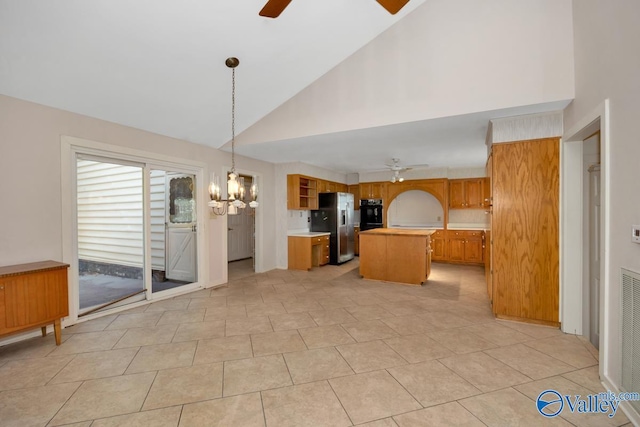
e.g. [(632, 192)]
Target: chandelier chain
[(233, 120)]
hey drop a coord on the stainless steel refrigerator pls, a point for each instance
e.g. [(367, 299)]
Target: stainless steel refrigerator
[(335, 215)]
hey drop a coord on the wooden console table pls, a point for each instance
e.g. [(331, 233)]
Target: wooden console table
[(33, 295)]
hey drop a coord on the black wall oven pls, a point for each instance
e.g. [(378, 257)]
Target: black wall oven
[(370, 214)]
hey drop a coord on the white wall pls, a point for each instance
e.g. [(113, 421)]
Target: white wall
[(30, 178), (607, 67), (446, 58)]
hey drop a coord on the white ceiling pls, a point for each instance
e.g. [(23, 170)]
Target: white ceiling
[(158, 65)]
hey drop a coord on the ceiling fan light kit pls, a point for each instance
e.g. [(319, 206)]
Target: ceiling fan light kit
[(273, 8)]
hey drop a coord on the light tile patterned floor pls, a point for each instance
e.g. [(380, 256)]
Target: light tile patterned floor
[(289, 348)]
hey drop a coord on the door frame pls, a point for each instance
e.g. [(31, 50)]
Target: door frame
[(572, 236), (70, 146), (258, 241)]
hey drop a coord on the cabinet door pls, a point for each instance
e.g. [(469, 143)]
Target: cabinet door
[(438, 247), (473, 193), (355, 190), (456, 249), (378, 190), (428, 258), (332, 187), (456, 194), (473, 251), (365, 191), (3, 313), (486, 192), (356, 240)]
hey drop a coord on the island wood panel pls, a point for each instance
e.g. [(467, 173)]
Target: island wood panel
[(395, 255), (33, 295), (525, 226), (373, 255), (407, 259)]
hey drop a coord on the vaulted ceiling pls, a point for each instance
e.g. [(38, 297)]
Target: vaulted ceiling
[(158, 65)]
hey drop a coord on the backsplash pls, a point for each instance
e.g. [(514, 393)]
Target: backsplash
[(468, 216), (297, 220)]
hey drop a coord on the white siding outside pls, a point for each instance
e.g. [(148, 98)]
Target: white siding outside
[(110, 214)]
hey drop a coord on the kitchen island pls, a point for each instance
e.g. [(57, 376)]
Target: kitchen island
[(396, 255)]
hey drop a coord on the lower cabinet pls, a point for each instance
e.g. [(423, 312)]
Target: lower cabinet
[(356, 240), (439, 246), (306, 252), (458, 246), (466, 246)]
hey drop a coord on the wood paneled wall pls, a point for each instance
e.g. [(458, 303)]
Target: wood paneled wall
[(525, 225)]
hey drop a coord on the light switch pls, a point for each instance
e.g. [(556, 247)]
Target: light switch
[(635, 233)]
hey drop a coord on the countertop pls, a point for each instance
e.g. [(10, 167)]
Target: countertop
[(293, 233), (399, 232)]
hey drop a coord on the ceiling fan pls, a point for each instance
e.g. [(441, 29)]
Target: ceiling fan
[(274, 8), (396, 169)]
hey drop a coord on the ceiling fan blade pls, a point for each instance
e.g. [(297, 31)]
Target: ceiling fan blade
[(393, 6), (274, 8)]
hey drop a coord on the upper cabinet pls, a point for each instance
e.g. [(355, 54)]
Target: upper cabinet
[(373, 190), (355, 190), (302, 192), (467, 193)]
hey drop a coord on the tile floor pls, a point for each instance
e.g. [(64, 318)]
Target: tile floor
[(289, 348)]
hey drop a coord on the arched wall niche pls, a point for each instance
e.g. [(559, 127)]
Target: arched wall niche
[(436, 187)]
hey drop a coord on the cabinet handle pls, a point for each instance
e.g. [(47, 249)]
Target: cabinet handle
[(1, 288)]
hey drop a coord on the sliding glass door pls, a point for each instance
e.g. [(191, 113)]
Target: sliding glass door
[(110, 232), (136, 231)]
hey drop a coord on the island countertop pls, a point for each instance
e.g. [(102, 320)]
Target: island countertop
[(399, 232)]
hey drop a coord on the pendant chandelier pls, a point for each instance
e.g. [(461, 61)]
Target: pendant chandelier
[(235, 184)]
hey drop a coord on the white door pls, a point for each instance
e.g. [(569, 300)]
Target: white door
[(240, 236), (181, 228), (594, 254), (181, 251)]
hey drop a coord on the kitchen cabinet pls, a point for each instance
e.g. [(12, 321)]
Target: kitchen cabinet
[(302, 192), (355, 190), (525, 231), (439, 246), (33, 295), (327, 186), (356, 240), (373, 190), (308, 251), (487, 264), (467, 193), (342, 188), (466, 246)]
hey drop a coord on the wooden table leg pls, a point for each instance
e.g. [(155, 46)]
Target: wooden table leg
[(44, 331), (57, 329)]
